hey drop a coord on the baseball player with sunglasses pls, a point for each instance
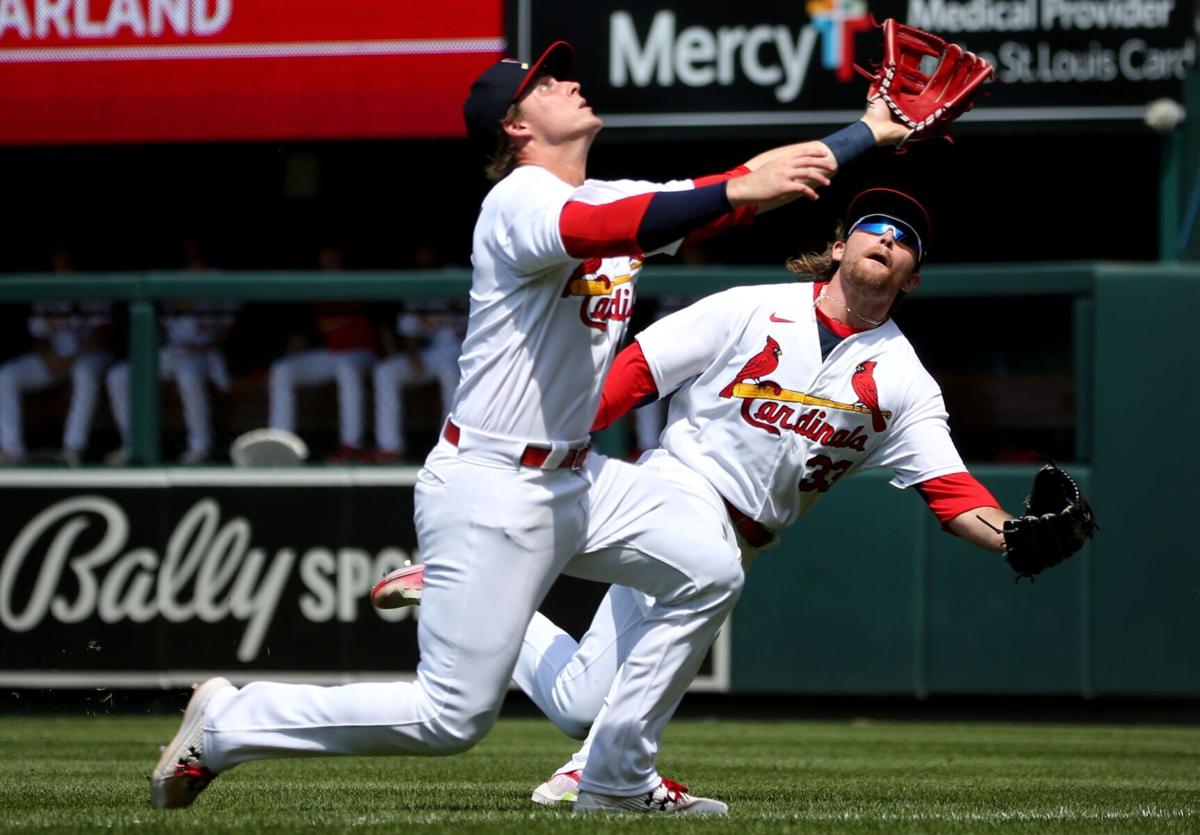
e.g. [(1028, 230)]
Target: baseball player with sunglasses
[(511, 498), (779, 392)]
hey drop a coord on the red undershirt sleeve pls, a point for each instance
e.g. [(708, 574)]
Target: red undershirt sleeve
[(628, 384), (709, 179), (949, 496), (603, 231), (610, 229)]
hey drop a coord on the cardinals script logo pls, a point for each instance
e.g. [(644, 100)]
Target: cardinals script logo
[(605, 299), (765, 403)]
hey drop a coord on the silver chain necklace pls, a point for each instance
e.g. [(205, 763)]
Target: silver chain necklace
[(824, 294)]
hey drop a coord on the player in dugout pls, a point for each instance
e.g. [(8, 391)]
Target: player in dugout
[(555, 257)]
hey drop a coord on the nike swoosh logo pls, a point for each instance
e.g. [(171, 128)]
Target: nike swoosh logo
[(775, 318)]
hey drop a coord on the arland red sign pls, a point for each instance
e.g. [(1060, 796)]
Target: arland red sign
[(185, 70)]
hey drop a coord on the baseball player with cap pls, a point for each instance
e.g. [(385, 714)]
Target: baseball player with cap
[(510, 498), (779, 392)]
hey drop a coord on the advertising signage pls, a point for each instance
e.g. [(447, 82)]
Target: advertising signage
[(84, 71), (142, 579), (697, 64)]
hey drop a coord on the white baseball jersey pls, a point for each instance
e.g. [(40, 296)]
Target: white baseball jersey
[(770, 424), (68, 325), (197, 324), (544, 327)]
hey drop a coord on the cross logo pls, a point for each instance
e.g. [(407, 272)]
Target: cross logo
[(838, 21)]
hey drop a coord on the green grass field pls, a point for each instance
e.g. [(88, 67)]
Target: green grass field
[(86, 774)]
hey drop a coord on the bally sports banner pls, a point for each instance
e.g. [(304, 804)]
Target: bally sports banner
[(163, 578), (709, 64), (76, 71)]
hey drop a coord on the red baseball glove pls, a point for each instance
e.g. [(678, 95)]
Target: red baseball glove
[(926, 82)]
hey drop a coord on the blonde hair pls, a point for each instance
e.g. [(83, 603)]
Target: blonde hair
[(818, 266), (504, 160)]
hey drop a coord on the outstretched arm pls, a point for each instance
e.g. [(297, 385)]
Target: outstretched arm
[(981, 526), (646, 222), (876, 128), (966, 509), (883, 128)]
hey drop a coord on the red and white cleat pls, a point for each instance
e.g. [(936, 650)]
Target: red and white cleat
[(181, 773), (399, 588), (667, 796), (561, 788)]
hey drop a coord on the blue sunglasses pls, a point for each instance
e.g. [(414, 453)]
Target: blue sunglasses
[(901, 231)]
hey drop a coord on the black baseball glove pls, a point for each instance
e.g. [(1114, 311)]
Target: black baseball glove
[(1057, 522)]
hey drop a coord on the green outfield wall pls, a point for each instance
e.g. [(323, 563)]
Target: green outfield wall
[(867, 595)]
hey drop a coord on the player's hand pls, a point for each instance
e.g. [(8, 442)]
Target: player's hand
[(821, 152), (885, 127), (784, 178)]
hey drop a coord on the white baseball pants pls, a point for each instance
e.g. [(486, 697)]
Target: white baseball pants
[(192, 373), (29, 373), (494, 538), (393, 374), (311, 368), (570, 681)]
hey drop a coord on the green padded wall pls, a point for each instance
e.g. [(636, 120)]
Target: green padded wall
[(1147, 400), (868, 595)]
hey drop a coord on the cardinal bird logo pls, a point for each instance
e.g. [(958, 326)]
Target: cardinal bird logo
[(759, 366), (863, 382)]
